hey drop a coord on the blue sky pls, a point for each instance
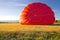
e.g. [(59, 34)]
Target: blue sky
[(11, 9)]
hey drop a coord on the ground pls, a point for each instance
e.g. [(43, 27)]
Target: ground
[(19, 27), (16, 31)]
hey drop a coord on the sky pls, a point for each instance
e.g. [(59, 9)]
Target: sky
[(11, 9)]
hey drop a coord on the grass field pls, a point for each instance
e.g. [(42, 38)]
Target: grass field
[(16, 31), (19, 27)]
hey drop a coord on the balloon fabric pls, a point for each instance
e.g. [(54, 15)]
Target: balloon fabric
[(37, 14)]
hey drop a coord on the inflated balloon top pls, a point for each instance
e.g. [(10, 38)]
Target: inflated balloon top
[(37, 13)]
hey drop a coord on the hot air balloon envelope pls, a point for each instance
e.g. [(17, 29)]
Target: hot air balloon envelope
[(37, 13)]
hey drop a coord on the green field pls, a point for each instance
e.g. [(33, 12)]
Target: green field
[(15, 31), (37, 35)]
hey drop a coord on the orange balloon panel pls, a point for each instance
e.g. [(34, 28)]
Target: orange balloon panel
[(37, 13)]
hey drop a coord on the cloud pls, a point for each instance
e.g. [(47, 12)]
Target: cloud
[(11, 3), (16, 4), (57, 13)]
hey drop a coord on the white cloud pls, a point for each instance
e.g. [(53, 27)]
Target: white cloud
[(11, 3), (7, 18), (9, 9), (57, 13), (16, 4)]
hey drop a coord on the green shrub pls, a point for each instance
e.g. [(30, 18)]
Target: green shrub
[(29, 35)]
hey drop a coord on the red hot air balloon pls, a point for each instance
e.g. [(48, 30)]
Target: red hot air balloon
[(37, 13)]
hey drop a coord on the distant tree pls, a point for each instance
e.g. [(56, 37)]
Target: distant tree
[(56, 20)]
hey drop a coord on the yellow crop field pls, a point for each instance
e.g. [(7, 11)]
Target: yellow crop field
[(16, 31), (18, 27)]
